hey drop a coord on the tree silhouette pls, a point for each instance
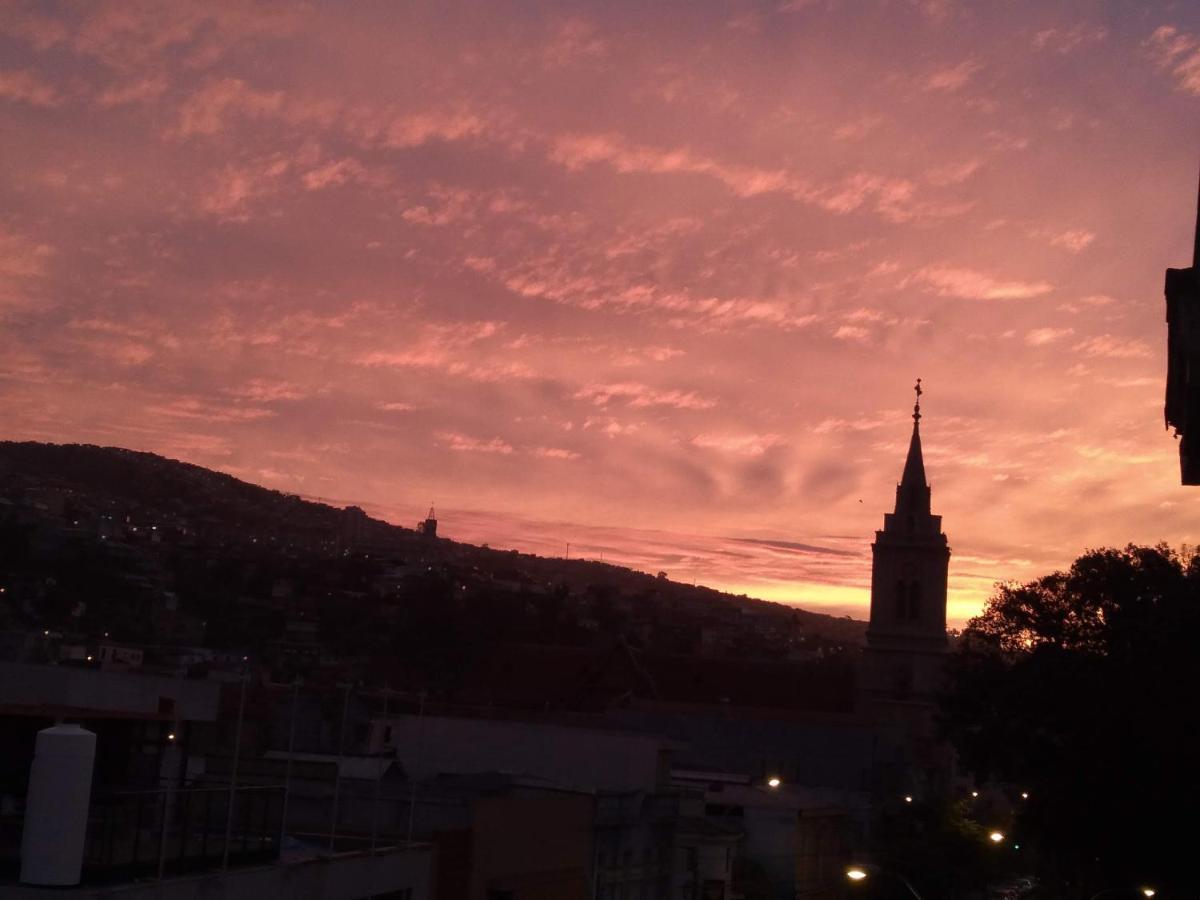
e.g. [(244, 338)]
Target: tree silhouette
[(1078, 690)]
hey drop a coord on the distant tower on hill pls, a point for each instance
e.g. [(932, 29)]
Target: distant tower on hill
[(428, 528), (1183, 361), (354, 527), (906, 639)]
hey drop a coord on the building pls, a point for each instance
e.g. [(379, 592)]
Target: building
[(428, 528), (792, 841), (594, 758), (1182, 410), (903, 661), (636, 830), (142, 819)]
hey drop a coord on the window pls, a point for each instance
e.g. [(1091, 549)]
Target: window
[(908, 600)]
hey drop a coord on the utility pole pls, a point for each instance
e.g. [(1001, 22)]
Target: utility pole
[(412, 781), (287, 766), (337, 778), (233, 772), (379, 773)]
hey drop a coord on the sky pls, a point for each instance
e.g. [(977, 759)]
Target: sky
[(654, 280)]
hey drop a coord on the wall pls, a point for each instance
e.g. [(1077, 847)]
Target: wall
[(343, 877), (540, 848), (564, 755), (87, 689)]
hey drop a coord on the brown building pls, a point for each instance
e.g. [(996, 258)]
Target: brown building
[(503, 837)]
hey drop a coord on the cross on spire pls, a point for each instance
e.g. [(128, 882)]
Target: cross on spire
[(917, 405)]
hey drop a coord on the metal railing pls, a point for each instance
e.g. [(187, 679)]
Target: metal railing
[(139, 834)]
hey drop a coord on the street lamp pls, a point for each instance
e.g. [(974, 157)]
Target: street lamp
[(996, 837), (773, 782), (1144, 890), (860, 872)]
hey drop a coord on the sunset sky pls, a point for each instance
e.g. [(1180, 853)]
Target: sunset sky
[(652, 278)]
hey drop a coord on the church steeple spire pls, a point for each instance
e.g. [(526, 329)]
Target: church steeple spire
[(912, 494)]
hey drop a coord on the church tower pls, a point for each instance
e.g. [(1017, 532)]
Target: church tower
[(906, 639)]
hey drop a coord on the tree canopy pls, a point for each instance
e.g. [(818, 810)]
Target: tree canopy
[(1077, 689)]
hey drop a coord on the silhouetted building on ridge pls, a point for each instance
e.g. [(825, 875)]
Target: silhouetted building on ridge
[(906, 638), (1183, 361), (354, 527), (428, 528)]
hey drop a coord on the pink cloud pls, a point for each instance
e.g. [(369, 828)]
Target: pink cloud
[(579, 150), (970, 284), (25, 87), (953, 78), (207, 112), (1066, 40), (141, 90), (466, 444), (851, 333), (414, 130), (555, 453), (236, 186), (194, 408), (1074, 239), (738, 444), (21, 256), (1040, 337), (641, 396), (1177, 52), (264, 390), (1114, 347)]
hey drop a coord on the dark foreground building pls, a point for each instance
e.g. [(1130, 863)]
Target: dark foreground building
[(1183, 362)]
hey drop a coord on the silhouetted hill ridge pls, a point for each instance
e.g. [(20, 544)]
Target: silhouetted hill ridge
[(120, 478)]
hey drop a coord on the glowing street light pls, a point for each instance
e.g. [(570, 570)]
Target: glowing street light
[(974, 793), (908, 798), (1145, 890), (860, 873), (773, 782), (996, 837), (1148, 892), (1024, 795)]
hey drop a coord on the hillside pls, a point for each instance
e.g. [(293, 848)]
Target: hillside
[(105, 543)]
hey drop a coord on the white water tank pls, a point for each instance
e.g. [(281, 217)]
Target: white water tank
[(56, 807)]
